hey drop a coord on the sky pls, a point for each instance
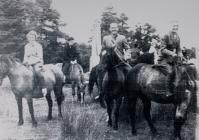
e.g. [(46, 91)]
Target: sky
[(79, 15)]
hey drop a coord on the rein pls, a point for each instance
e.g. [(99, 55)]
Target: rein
[(189, 78)]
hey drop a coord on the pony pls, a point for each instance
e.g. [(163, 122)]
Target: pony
[(113, 83), (22, 85), (76, 77), (146, 82)]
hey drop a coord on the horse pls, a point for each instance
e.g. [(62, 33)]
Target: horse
[(22, 84), (146, 82), (113, 83), (76, 77), (97, 73)]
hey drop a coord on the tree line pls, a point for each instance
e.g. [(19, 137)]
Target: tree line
[(18, 17)]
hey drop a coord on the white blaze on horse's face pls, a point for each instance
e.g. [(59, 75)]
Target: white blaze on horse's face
[(104, 52)]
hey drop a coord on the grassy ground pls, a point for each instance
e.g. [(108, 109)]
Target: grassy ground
[(88, 122), (83, 122)]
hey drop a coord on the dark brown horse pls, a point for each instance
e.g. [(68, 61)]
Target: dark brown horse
[(22, 84), (113, 84), (149, 84), (76, 77)]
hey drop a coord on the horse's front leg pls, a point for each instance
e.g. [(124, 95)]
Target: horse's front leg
[(73, 90), (147, 114), (116, 112), (78, 94), (132, 112), (109, 103), (20, 110), (50, 104), (181, 114), (31, 110)]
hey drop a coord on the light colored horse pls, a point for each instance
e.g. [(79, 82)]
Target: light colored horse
[(22, 84), (77, 78)]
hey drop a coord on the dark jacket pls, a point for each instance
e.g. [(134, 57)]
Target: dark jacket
[(71, 53)]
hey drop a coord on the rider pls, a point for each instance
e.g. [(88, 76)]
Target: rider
[(71, 55), (120, 45), (170, 51), (116, 41), (33, 57)]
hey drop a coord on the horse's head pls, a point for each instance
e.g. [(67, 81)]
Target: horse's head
[(188, 74), (108, 58)]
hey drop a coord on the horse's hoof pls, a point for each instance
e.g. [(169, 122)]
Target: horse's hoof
[(115, 128), (34, 124), (154, 132), (109, 124), (60, 116), (49, 118), (82, 102), (134, 132), (20, 122), (102, 105)]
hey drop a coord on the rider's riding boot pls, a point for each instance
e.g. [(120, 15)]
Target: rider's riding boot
[(37, 92), (173, 80)]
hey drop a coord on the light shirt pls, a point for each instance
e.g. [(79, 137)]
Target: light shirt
[(33, 53)]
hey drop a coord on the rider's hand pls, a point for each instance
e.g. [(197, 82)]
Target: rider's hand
[(141, 52)]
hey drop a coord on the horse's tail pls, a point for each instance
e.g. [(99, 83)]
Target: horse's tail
[(92, 79)]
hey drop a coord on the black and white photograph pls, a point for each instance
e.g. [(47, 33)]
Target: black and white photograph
[(99, 70)]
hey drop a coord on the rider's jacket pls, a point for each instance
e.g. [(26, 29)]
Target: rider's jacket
[(170, 47), (33, 54), (119, 43), (71, 53)]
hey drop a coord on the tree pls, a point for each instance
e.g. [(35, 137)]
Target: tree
[(110, 15), (123, 26), (18, 17), (143, 36)]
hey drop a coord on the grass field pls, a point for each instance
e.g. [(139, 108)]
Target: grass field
[(83, 122)]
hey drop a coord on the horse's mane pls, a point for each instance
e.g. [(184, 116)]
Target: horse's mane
[(10, 60)]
